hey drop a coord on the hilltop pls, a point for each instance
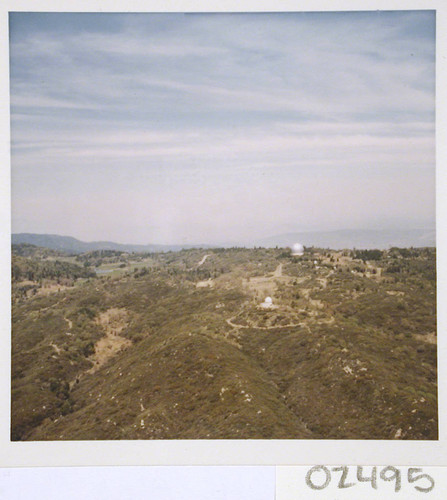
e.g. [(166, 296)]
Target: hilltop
[(176, 345)]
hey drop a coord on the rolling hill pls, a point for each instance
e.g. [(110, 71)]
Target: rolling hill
[(72, 245), (178, 346)]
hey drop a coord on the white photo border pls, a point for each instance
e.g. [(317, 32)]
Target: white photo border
[(221, 452)]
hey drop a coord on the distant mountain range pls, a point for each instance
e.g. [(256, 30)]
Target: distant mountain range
[(347, 238), (355, 238), (72, 245)]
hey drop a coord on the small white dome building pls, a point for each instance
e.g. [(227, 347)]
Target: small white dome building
[(297, 249), (268, 303)]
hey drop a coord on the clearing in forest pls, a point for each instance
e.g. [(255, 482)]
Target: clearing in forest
[(113, 321)]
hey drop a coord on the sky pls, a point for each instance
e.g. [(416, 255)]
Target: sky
[(220, 128)]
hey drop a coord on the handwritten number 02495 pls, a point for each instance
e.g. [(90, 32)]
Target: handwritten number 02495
[(319, 477)]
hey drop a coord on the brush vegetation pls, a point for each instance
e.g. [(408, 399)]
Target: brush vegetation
[(175, 345)]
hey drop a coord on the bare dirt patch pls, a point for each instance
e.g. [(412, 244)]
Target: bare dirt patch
[(265, 285), (205, 283), (56, 348), (261, 285), (429, 338), (50, 289), (113, 321)]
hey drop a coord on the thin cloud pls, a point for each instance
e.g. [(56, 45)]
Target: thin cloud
[(260, 105)]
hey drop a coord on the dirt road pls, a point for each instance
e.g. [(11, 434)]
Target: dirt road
[(290, 325), (203, 260)]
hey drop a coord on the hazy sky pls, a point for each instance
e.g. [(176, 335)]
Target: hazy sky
[(212, 128)]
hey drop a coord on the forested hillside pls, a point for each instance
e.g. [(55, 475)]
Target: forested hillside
[(181, 345)]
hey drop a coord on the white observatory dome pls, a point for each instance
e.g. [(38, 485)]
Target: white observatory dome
[(267, 304), (297, 249)]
